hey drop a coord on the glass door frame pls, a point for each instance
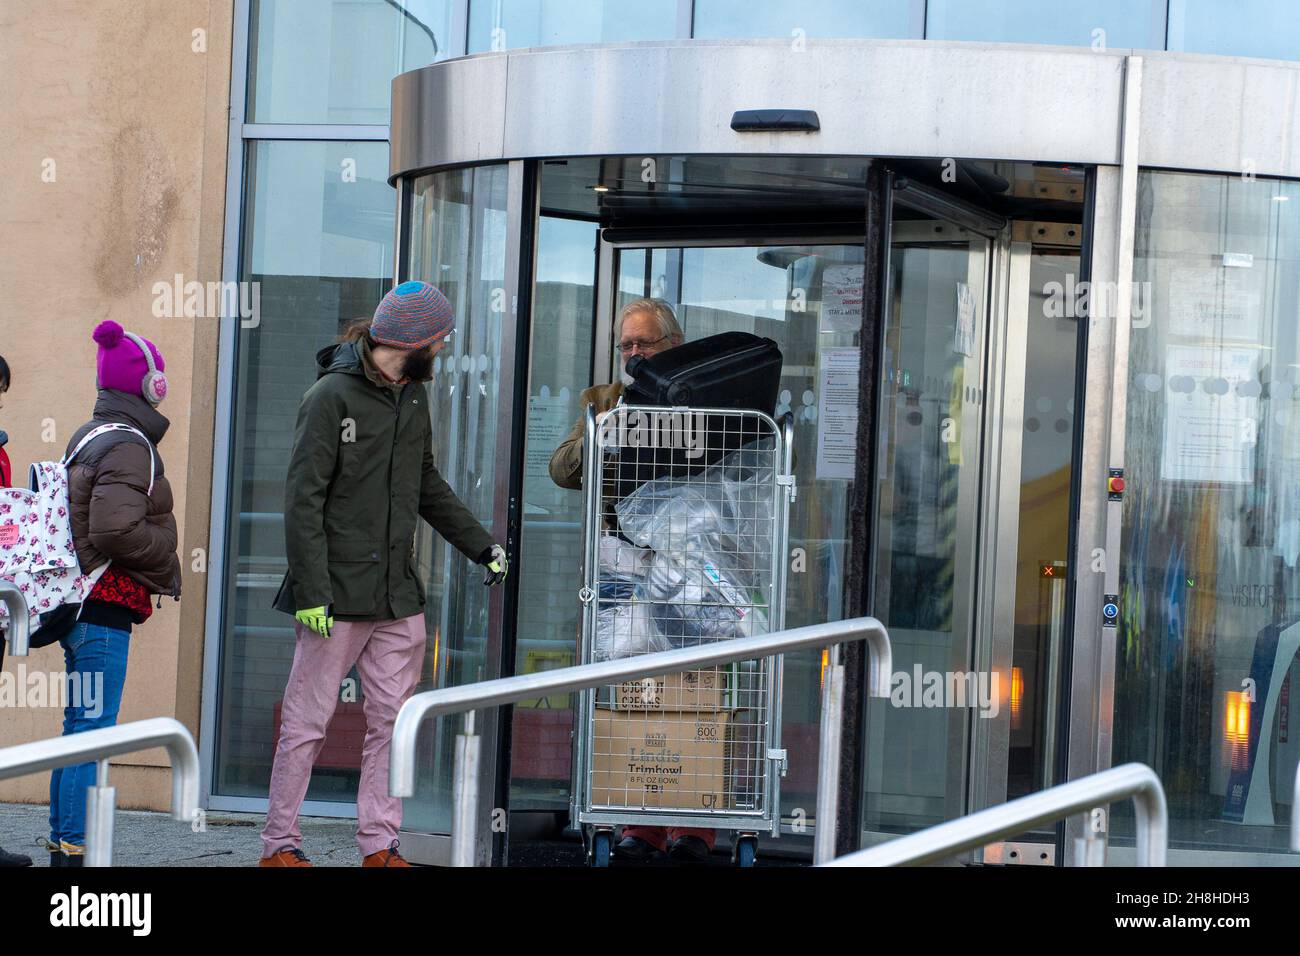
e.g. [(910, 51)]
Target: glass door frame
[(493, 724), (1004, 337), (605, 358), (983, 771)]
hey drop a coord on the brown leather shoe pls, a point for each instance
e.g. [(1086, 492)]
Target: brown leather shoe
[(285, 856), (389, 857)]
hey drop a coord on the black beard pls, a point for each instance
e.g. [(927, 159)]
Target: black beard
[(418, 365)]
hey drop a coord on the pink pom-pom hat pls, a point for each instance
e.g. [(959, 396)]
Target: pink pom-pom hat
[(120, 364)]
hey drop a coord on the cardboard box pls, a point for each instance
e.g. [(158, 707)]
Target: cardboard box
[(704, 690), (661, 759)]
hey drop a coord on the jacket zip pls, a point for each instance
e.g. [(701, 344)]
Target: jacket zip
[(392, 453)]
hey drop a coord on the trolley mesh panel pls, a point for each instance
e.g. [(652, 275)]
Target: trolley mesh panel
[(682, 551)]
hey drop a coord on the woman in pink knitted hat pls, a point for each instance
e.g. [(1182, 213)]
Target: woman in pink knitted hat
[(124, 532)]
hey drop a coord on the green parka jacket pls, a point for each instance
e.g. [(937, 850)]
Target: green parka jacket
[(360, 474)]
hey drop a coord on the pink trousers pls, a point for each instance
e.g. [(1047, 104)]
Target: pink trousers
[(388, 656)]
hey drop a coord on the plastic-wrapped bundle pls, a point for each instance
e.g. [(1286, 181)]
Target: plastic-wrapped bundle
[(619, 560), (723, 515), (623, 624), (625, 630), (710, 533), (692, 605)]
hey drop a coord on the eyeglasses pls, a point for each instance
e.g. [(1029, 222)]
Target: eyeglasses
[(626, 347)]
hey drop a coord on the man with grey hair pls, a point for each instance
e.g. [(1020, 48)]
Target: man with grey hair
[(646, 327)]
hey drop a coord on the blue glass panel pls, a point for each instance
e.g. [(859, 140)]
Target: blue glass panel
[(816, 18), (331, 62), (511, 24), (1112, 23), (1263, 28)]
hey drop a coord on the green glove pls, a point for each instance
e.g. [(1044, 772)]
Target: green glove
[(317, 619), (494, 559)]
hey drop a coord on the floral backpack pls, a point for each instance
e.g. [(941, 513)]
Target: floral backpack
[(36, 550)]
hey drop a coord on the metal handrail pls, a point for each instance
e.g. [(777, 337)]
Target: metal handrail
[(510, 690), (13, 599), (99, 745), (1056, 803)]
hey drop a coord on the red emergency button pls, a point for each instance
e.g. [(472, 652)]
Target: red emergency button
[(1116, 485)]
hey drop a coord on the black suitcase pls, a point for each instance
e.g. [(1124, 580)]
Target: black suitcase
[(733, 370), (728, 370)]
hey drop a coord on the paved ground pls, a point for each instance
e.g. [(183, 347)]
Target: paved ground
[(142, 838)]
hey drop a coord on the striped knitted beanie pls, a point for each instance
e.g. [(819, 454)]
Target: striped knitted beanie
[(411, 316)]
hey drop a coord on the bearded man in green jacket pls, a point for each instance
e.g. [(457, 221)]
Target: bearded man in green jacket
[(361, 474)]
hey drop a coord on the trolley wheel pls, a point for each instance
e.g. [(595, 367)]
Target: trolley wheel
[(601, 843), (746, 851)]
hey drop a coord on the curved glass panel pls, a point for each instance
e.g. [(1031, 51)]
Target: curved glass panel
[(931, 427), (1209, 628), (458, 243), (551, 543), (798, 296)]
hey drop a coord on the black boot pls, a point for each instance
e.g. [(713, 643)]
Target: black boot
[(13, 859)]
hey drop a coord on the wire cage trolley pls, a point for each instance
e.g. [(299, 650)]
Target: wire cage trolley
[(686, 522)]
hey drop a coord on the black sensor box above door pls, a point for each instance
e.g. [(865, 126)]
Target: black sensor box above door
[(728, 370)]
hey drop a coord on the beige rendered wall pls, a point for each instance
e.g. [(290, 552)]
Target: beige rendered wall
[(114, 124)]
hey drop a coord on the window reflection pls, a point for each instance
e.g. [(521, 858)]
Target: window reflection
[(331, 61), (551, 543), (319, 244), (1100, 24), (801, 296), (815, 18), (1210, 625), (1264, 28), (511, 24), (458, 243), (1043, 528), (930, 423)]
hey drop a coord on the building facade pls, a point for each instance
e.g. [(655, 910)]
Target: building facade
[(1038, 248)]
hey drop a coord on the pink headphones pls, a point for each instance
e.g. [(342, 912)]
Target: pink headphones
[(154, 384)]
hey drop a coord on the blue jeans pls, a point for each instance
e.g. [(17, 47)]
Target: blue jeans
[(96, 655)]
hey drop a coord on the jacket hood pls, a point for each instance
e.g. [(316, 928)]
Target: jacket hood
[(115, 406), (342, 357)]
